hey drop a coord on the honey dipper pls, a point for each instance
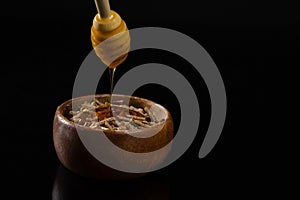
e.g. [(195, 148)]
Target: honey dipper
[(108, 25)]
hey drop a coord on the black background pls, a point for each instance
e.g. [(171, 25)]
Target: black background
[(45, 43)]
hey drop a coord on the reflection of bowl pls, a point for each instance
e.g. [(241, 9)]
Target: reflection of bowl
[(68, 186), (73, 154)]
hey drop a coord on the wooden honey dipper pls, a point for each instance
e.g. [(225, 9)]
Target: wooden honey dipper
[(109, 28)]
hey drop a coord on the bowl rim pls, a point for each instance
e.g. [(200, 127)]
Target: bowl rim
[(68, 122)]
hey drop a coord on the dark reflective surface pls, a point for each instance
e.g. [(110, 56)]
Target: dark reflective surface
[(68, 186)]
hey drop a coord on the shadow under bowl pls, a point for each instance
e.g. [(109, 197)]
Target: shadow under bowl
[(75, 156)]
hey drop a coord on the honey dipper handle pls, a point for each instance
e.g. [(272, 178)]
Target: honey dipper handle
[(103, 8)]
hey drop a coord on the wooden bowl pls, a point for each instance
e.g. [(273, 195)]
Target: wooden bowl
[(75, 156)]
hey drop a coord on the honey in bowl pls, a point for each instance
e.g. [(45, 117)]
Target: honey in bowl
[(112, 116)]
